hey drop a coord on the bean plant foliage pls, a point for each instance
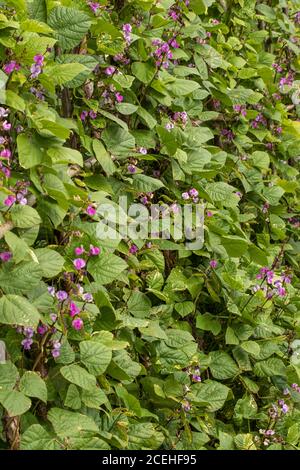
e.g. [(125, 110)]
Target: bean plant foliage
[(146, 344)]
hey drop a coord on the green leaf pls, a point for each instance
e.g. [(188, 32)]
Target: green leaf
[(69, 423), (103, 158), (212, 394), (50, 262), (65, 155), (70, 25), (95, 356), (126, 108), (24, 216), (17, 245), (118, 141), (14, 402), (73, 399), (37, 438), (144, 71), (235, 246), (207, 322), (61, 74), (78, 376), (139, 304), (29, 152), (106, 268), (32, 385), (146, 184), (181, 87), (222, 366), (16, 310), (8, 375), (22, 278)]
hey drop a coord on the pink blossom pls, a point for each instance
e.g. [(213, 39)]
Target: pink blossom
[(91, 210), (83, 115), (79, 263), (185, 196), (10, 200), (94, 6), (213, 263), (74, 309), (94, 250), (5, 256), (110, 70), (79, 250), (133, 249), (5, 153), (11, 66), (6, 125), (119, 97), (39, 59), (77, 324)]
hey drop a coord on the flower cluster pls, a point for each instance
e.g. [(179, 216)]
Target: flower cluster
[(80, 263), (36, 68), (11, 66), (19, 193), (275, 285), (191, 194)]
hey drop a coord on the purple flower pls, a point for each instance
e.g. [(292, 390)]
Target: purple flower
[(53, 317), (131, 169), (94, 6), (3, 113), (83, 115), (92, 114), (213, 263), (79, 250), (285, 408), (39, 59), (91, 210), (185, 196), (6, 172), (10, 200), (281, 291), (55, 353), (143, 150), (11, 66), (51, 291), (77, 324), (35, 70), (193, 192), (27, 343), (133, 249), (127, 29), (61, 295), (94, 250), (87, 297), (5, 153), (6, 125), (169, 126), (42, 329), (110, 70), (5, 256), (79, 263), (196, 378), (144, 200), (119, 97), (74, 309), (186, 406)]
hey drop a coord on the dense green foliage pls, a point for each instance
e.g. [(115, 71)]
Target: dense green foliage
[(148, 344)]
